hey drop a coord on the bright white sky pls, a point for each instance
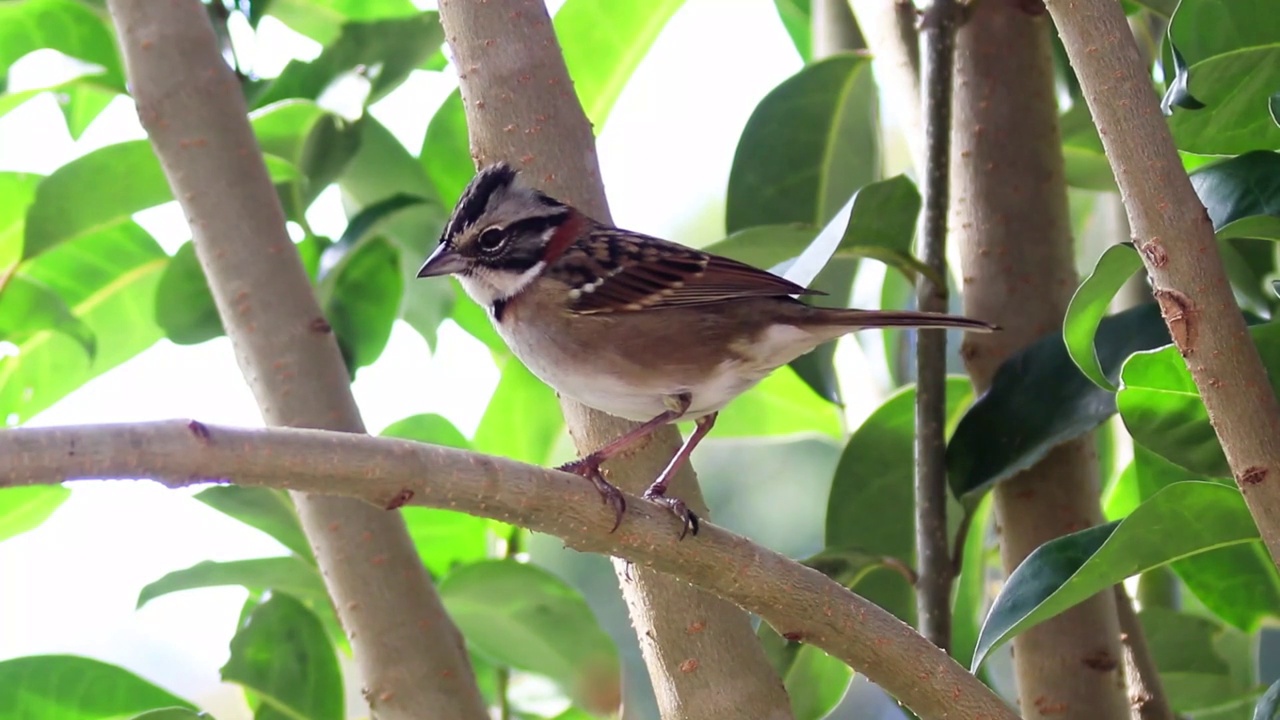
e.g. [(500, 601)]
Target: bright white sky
[(70, 586)]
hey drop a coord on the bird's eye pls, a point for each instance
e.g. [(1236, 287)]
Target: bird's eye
[(491, 239)]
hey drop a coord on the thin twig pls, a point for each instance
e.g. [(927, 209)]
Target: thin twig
[(1146, 693)]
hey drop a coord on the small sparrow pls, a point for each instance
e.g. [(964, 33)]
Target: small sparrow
[(632, 325)]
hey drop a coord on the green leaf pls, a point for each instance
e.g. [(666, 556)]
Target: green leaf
[(1179, 92), (17, 192), (27, 306), (100, 190), (781, 404), (171, 714), (322, 20), (76, 688), (283, 655), (428, 428), (1068, 570), (81, 103), (1268, 707), (1162, 410), (522, 616), (1192, 670), (1089, 305), (108, 279), (1086, 164), (69, 27), (27, 507), (971, 586), (361, 299), (809, 144), (265, 509), (796, 17), (871, 505), (446, 150), (523, 418), (1039, 399), (603, 41), (289, 574), (383, 52), (185, 308), (318, 143), (816, 683), (1242, 195), (367, 219)]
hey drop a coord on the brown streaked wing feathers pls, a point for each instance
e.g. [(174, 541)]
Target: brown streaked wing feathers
[(654, 273)]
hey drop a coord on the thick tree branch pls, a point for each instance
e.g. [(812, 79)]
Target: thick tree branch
[(410, 655), (1175, 238), (889, 28), (933, 546), (796, 600), (521, 108), (1009, 216)]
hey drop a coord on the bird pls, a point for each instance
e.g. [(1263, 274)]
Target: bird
[(632, 325)]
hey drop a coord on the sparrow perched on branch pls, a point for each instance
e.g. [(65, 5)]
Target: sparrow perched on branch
[(628, 324)]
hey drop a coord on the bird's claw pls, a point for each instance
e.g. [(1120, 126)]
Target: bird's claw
[(609, 494), (678, 508)]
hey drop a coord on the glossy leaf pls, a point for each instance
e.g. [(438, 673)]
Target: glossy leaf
[(265, 509), (17, 191), (1070, 569), (102, 189), (322, 20), (363, 300), (283, 655), (24, 508), (28, 306), (68, 687), (1039, 399), (871, 505), (108, 279), (816, 683), (522, 616), (1162, 409), (1089, 305), (185, 308), (1242, 195), (1178, 94), (796, 17), (522, 419), (809, 144), (1192, 670), (382, 52), (69, 27), (289, 574)]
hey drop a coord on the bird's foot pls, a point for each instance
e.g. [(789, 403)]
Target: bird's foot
[(590, 469), (676, 506)]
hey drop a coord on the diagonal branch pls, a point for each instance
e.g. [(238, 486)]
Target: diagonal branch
[(410, 655), (796, 600), (521, 108)]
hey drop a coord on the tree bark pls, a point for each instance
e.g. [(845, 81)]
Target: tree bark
[(702, 654), (1173, 234), (796, 600), (410, 655), (1009, 212)]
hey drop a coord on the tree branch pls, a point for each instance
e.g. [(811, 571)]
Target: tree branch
[(521, 108), (411, 657), (1173, 234), (1146, 692), (933, 546), (796, 600), (1009, 216), (889, 27)]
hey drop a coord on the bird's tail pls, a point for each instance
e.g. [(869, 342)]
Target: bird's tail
[(851, 319)]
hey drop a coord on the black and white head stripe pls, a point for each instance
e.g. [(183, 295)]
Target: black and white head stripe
[(475, 198)]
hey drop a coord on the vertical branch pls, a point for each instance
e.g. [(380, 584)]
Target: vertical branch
[(889, 28), (933, 554), (834, 29), (1146, 693), (1009, 217), (410, 655), (702, 653)]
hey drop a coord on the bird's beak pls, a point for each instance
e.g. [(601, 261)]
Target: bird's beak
[(444, 261)]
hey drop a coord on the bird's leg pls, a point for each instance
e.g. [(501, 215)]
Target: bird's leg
[(657, 492), (589, 465)]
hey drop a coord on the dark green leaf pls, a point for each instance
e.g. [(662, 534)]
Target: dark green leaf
[(67, 26), (102, 189), (28, 306), (522, 616), (807, 147), (1089, 305), (185, 309), (283, 655), (523, 418), (322, 20), (289, 574), (363, 299), (108, 279), (360, 225), (1068, 570), (1162, 410), (1195, 676), (268, 510), (1242, 195), (1268, 707), (796, 16), (172, 714), (1179, 94), (871, 505), (76, 688), (381, 51), (25, 508)]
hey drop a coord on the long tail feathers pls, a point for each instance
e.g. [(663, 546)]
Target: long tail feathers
[(901, 318)]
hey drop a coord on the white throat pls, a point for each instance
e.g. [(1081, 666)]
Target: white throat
[(488, 287)]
